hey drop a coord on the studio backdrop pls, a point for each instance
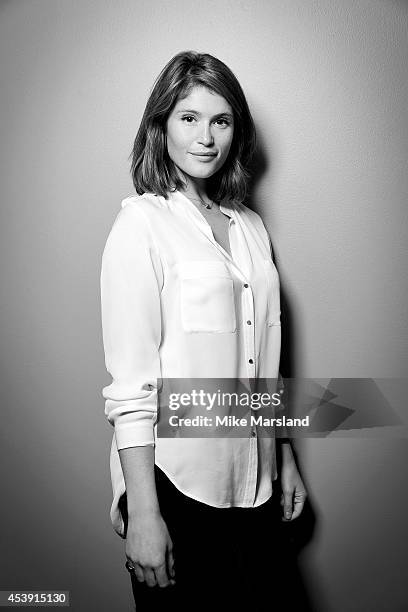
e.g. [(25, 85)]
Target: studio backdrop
[(327, 84)]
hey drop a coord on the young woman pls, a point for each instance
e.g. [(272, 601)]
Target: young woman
[(189, 290)]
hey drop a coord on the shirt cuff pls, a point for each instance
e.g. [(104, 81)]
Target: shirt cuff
[(129, 435)]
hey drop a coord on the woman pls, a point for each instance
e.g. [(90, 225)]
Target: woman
[(189, 290)]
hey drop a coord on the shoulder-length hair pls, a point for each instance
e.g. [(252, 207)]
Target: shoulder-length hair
[(152, 169)]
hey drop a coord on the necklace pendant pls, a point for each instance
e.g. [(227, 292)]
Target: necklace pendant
[(208, 206)]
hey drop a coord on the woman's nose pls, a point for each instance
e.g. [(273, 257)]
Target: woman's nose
[(206, 137)]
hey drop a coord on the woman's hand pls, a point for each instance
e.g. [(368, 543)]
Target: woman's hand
[(293, 490), (148, 544), (150, 550)]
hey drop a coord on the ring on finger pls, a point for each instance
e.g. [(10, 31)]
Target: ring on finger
[(129, 566)]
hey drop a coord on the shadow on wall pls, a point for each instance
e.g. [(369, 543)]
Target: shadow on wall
[(302, 589)]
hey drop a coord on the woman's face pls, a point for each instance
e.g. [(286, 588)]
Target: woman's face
[(199, 133)]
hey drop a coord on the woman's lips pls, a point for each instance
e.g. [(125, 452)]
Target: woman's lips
[(204, 156)]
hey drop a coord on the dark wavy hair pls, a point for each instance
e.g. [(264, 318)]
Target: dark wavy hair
[(152, 169)]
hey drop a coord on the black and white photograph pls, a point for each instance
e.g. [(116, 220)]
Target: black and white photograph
[(204, 323)]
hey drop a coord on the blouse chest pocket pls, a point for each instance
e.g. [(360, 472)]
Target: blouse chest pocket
[(206, 297), (273, 286)]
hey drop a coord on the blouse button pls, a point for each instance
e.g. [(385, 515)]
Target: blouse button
[(249, 322), (246, 285), (251, 360)]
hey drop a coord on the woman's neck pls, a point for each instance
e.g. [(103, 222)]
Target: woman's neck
[(196, 189)]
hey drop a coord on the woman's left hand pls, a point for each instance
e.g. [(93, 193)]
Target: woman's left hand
[(293, 490)]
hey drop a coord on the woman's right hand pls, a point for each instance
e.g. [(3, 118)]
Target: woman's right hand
[(150, 550)]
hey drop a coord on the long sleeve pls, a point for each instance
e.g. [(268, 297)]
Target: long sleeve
[(177, 306), (283, 431), (131, 281)]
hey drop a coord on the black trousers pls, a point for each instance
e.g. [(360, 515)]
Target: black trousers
[(225, 558)]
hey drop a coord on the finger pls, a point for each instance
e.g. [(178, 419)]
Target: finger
[(149, 577), (300, 498), (134, 568), (298, 509), (170, 565), (162, 578), (287, 505), (138, 572)]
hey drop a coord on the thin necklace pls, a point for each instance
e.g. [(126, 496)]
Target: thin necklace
[(207, 205)]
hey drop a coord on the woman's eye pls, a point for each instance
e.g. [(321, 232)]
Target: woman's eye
[(222, 122), (188, 118)]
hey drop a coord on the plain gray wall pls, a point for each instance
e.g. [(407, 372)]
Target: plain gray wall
[(327, 83)]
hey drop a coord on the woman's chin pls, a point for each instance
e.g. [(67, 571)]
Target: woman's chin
[(200, 173)]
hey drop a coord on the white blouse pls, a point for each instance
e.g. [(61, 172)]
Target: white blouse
[(175, 304)]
